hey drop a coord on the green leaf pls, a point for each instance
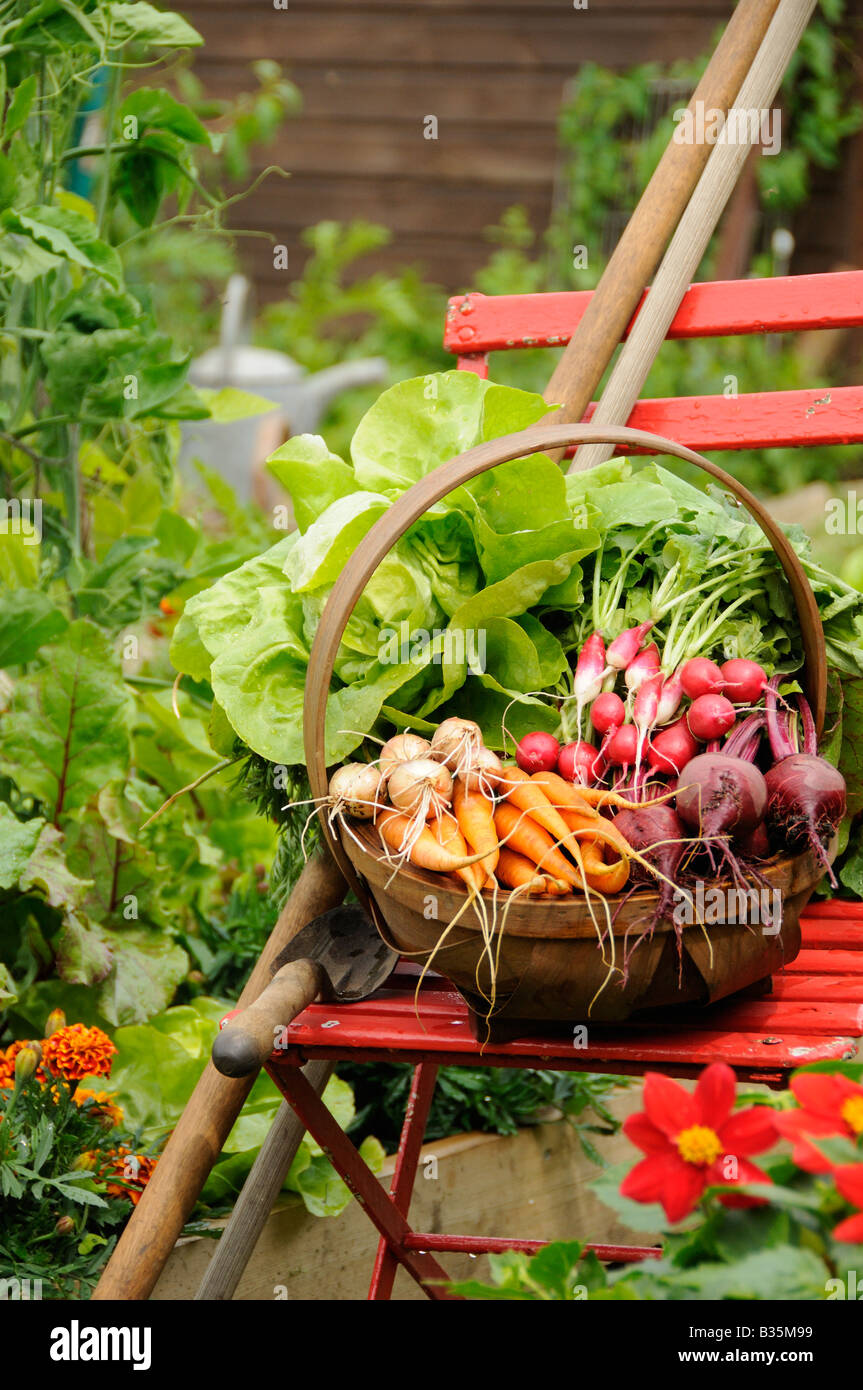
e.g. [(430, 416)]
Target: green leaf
[(28, 617), (31, 857), (312, 475), (147, 967), (68, 235), (143, 23), (155, 107), (67, 733), (20, 105), (84, 957), (230, 403)]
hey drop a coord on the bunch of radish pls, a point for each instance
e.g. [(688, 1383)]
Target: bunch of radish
[(696, 733)]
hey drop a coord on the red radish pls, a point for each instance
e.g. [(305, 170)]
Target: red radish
[(710, 716), (698, 676), (669, 697), (644, 665), (672, 748), (718, 795), (580, 762), (744, 680), (622, 746), (607, 712), (625, 648), (538, 752)]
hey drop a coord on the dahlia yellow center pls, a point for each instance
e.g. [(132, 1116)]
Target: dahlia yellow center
[(698, 1144), (852, 1113)]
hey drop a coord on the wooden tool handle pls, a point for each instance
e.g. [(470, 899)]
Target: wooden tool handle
[(541, 438), (208, 1118), (243, 1047), (260, 1190), (644, 239)]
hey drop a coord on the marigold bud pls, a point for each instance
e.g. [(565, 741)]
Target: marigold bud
[(56, 1021), (27, 1061), (64, 1226)]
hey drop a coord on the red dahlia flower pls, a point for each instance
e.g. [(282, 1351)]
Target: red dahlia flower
[(849, 1181), (689, 1138), (829, 1104)]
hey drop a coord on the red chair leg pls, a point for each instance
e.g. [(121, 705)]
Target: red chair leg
[(359, 1178), (401, 1189)]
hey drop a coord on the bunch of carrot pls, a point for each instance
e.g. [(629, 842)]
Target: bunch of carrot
[(494, 826)]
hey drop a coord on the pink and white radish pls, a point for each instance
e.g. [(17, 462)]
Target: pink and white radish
[(624, 649), (607, 712), (589, 675), (672, 748), (641, 668), (669, 697)]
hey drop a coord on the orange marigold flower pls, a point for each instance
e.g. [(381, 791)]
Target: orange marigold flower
[(135, 1170), (77, 1051), (103, 1105), (7, 1065)]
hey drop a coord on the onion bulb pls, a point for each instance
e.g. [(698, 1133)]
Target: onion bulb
[(354, 790), (420, 787), (484, 772), (401, 748), (457, 742)]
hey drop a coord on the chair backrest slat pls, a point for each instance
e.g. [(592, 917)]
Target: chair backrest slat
[(492, 323), (478, 324)]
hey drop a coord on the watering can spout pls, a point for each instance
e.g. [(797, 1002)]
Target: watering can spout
[(330, 382)]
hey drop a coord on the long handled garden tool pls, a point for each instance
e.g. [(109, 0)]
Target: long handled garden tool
[(695, 228)]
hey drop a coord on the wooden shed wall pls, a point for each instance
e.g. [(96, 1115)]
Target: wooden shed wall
[(491, 71)]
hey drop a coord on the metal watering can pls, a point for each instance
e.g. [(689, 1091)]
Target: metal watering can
[(233, 450)]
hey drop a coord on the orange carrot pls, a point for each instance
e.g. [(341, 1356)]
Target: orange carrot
[(520, 790), (580, 819), (447, 833), (564, 794), (524, 835), (606, 878), (426, 852), (515, 871), (475, 816)]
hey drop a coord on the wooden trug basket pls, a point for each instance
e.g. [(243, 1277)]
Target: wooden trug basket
[(551, 967)]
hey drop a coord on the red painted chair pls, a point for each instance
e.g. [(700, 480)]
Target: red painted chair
[(815, 1009)]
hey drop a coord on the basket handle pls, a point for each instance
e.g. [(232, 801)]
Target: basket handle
[(435, 485)]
